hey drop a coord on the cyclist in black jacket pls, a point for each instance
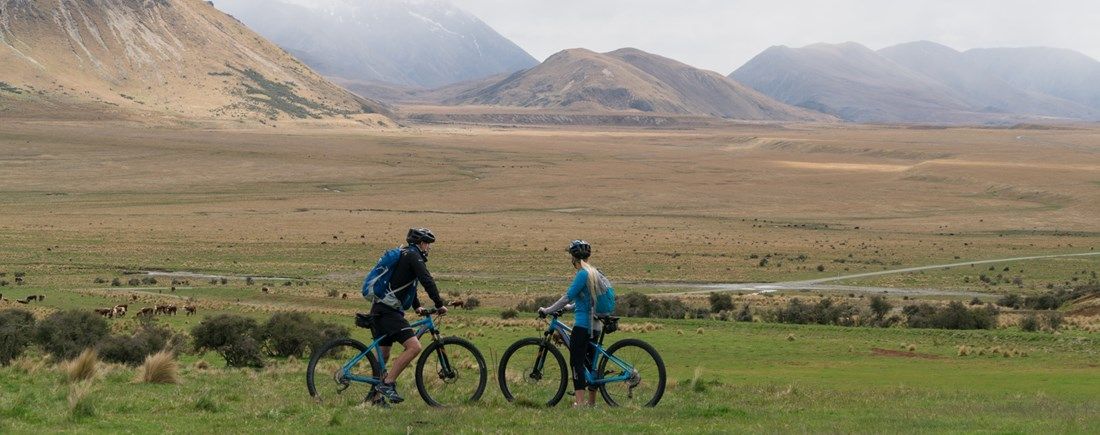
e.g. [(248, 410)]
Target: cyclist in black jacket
[(389, 313)]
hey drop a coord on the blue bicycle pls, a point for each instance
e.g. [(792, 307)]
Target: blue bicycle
[(449, 371), (628, 373)]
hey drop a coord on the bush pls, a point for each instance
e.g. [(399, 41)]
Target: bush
[(65, 334), (232, 336), (954, 316), (133, 282), (825, 312), (1054, 320), (16, 331), (508, 314), (975, 301), (1030, 323), (1009, 301), (640, 305), (471, 303), (289, 334), (880, 307), (745, 315), (115, 282), (720, 302), (134, 349)]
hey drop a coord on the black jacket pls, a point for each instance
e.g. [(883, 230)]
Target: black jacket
[(413, 266)]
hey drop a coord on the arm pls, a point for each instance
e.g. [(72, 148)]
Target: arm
[(579, 281), (425, 278)]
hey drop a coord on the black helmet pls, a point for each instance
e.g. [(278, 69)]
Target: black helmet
[(580, 249), (417, 235)]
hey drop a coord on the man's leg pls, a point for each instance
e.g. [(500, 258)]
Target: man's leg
[(412, 348)]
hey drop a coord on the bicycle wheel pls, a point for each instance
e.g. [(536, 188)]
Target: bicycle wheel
[(647, 382), (521, 382), (325, 378), (451, 371)]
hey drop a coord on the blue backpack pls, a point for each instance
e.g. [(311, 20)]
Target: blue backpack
[(376, 287), (605, 302)]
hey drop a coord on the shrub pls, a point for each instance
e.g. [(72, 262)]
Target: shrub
[(134, 349), (954, 316), (821, 268), (975, 301), (133, 282), (745, 315), (332, 293), (289, 334), (1009, 301), (720, 302), (825, 312), (160, 368), (1030, 323), (249, 281), (880, 307), (640, 305), (65, 334), (471, 303), (224, 280), (232, 337), (115, 282), (99, 280), (1042, 302), (16, 331), (1054, 320), (508, 314)]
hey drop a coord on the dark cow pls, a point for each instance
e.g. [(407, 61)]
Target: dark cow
[(189, 309), (147, 311), (105, 312)]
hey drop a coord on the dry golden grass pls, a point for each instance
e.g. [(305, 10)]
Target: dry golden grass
[(159, 368), (83, 367)]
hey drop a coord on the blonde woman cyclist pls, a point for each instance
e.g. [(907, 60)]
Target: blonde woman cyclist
[(588, 287)]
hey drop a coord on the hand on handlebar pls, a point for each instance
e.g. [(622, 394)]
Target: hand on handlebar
[(441, 310)]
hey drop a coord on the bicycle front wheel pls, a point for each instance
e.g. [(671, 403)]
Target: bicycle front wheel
[(451, 371), (645, 370), (325, 376), (532, 372)]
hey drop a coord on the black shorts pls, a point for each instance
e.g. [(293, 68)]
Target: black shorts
[(390, 323)]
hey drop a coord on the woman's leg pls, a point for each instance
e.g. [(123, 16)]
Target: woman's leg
[(578, 350)]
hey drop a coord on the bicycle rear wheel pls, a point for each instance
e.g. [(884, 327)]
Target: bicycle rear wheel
[(647, 382), (532, 372), (451, 371), (325, 376)]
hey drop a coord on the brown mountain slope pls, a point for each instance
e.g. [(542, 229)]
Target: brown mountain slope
[(176, 58), (631, 80)]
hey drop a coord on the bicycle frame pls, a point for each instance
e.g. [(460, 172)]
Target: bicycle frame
[(426, 325), (590, 376)]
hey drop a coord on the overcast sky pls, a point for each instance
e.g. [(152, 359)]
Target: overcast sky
[(721, 35)]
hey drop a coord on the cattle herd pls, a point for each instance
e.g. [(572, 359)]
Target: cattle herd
[(121, 309), (28, 299)]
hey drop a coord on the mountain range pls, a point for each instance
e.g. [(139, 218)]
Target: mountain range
[(180, 58), (417, 43), (928, 82), (626, 79)]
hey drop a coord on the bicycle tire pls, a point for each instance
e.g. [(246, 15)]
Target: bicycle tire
[(332, 348), (457, 360), (615, 398), (502, 370)]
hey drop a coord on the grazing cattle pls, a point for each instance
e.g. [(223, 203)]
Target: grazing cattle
[(21, 301), (345, 296), (133, 297), (105, 312), (147, 311), (189, 309), (41, 298), (265, 290), (120, 310), (171, 309), (32, 298)]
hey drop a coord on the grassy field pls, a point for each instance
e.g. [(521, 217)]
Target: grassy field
[(665, 210)]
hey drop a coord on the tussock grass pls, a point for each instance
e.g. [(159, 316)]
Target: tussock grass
[(80, 404), (83, 367), (159, 368)]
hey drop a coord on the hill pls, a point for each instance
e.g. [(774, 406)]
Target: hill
[(852, 82), (972, 76), (403, 42), (630, 80), (1061, 73), (176, 58)]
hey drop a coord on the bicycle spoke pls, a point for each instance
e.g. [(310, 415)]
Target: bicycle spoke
[(451, 374), (328, 382), (526, 382), (644, 387)]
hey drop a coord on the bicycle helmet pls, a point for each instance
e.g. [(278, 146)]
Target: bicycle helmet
[(580, 249), (417, 235)]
